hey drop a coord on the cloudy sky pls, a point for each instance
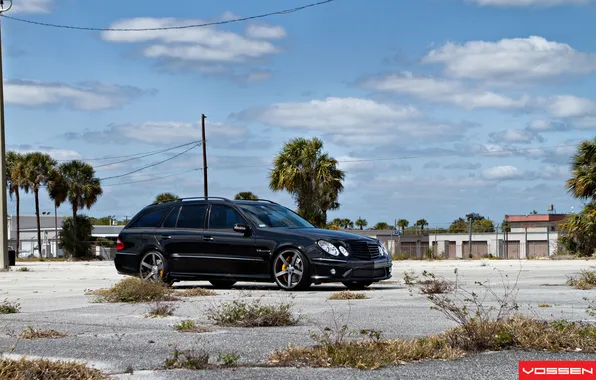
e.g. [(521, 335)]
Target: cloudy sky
[(435, 108)]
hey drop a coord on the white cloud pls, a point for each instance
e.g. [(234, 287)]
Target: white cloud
[(31, 6), (502, 173), (265, 32), (463, 165), (86, 97), (519, 136), (204, 45), (442, 91), (528, 3), (353, 120), (511, 61), (565, 106), (55, 153), (547, 126)]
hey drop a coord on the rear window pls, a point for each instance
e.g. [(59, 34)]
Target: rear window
[(192, 216), (151, 219)]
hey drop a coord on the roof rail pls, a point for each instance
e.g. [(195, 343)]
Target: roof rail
[(267, 200), (194, 198)]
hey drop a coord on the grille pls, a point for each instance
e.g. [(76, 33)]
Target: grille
[(364, 250)]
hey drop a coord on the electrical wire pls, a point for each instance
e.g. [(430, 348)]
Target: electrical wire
[(154, 179), (282, 12), (131, 155), (150, 166), (147, 155)]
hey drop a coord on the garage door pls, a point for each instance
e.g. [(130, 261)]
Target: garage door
[(537, 248), (512, 249), (452, 250), (479, 249), (408, 249)]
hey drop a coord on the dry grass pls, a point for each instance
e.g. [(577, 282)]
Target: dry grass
[(191, 326), (134, 290), (196, 292), (544, 305), (7, 307), (23, 269), (347, 295), (26, 369), (435, 285), (161, 309), (31, 333), (187, 359), (515, 333), (584, 281), (252, 314)]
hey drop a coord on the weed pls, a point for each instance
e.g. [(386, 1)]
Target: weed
[(196, 292), (134, 290), (244, 314), (585, 281), (544, 305), (435, 285), (410, 278), (23, 269), (8, 307), (161, 309), (229, 359), (190, 326), (26, 369), (347, 295), (187, 359), (31, 333)]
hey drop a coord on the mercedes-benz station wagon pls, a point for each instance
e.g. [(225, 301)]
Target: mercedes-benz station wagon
[(224, 241)]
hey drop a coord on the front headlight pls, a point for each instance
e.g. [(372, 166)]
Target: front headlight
[(343, 251), (328, 247), (382, 250)]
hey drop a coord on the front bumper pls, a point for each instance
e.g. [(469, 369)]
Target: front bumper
[(337, 270)]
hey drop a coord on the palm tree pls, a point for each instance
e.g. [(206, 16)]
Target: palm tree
[(38, 169), (422, 223), (582, 184), (381, 226), (303, 170), (16, 180), (403, 224), (165, 198), (361, 223), (58, 192), (246, 195), (83, 188)]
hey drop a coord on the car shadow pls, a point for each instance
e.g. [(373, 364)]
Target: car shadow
[(332, 287)]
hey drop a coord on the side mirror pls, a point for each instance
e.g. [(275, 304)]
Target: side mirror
[(242, 228)]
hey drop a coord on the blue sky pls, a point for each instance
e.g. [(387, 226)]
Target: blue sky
[(435, 108)]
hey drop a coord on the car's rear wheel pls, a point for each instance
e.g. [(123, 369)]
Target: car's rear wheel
[(222, 284), (357, 285), (290, 270), (154, 268)]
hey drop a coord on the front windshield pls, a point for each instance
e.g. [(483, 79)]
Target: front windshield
[(271, 216)]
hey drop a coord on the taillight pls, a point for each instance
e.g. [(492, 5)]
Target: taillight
[(119, 245)]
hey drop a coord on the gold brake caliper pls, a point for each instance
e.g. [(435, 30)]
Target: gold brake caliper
[(284, 266)]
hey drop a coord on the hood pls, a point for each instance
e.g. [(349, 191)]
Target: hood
[(319, 233)]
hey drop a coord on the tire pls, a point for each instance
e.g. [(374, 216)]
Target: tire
[(222, 284), (357, 285), (285, 272), (158, 272)]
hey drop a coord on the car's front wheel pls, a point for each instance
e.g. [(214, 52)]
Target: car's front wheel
[(154, 268), (290, 270), (357, 285)]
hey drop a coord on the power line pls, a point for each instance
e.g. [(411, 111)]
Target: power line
[(131, 155), (282, 12), (154, 179), (146, 155), (150, 166)]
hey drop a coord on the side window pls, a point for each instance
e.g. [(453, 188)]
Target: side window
[(192, 216), (170, 221), (224, 217), (151, 219)]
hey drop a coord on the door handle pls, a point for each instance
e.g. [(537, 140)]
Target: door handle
[(165, 237), (207, 238)]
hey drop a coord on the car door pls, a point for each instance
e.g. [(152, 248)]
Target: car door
[(235, 252), (181, 238)]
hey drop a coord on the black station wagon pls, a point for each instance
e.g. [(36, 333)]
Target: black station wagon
[(224, 241)]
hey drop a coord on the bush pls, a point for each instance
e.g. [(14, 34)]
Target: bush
[(435, 285), (187, 359), (31, 333), (244, 314), (161, 309), (82, 247), (585, 281), (8, 307), (134, 290), (26, 369), (190, 326)]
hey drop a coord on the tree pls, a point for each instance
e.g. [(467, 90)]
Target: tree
[(16, 180), (361, 223), (422, 223), (403, 224), (347, 223), (582, 184), (381, 226), (246, 195), (38, 169), (76, 244), (311, 176), (83, 188), (459, 226), (479, 224), (165, 198)]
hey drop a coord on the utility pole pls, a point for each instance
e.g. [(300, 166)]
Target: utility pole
[(206, 191), (3, 205)]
